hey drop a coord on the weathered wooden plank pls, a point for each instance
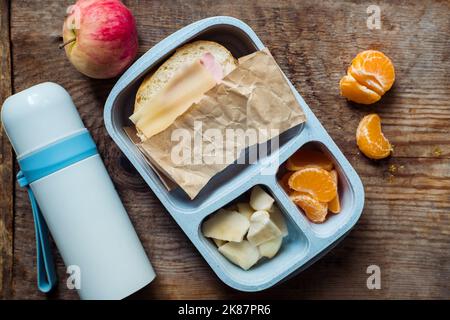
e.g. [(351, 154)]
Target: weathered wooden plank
[(6, 162), (405, 226)]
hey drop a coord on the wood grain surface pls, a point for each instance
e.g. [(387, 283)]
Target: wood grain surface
[(405, 226), (6, 162)]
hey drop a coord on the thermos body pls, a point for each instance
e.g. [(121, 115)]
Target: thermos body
[(68, 182), (92, 230)]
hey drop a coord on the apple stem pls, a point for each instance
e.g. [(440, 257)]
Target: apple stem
[(66, 43)]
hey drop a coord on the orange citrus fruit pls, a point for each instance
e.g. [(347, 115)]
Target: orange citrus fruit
[(315, 181), (370, 139), (356, 92), (334, 205), (370, 76), (314, 210), (307, 158), (374, 70)]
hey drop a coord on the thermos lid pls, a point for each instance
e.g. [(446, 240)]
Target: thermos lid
[(38, 116)]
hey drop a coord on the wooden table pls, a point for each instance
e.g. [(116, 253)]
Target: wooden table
[(405, 226)]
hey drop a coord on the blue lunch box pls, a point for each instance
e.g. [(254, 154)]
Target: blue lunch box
[(306, 242)]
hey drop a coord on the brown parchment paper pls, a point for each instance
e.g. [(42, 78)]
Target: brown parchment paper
[(166, 181), (254, 96)]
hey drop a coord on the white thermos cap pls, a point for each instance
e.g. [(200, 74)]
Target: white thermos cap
[(38, 116)]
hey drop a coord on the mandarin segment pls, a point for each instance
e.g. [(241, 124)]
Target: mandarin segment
[(315, 181), (308, 158), (356, 92), (370, 75), (334, 205), (314, 210), (370, 138)]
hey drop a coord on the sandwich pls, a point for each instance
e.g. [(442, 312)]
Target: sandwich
[(179, 82)]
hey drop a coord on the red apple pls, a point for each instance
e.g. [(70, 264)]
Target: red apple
[(100, 37)]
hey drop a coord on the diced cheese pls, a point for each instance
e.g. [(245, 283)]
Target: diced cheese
[(219, 242), (277, 217), (262, 229), (226, 225), (260, 200), (270, 248), (245, 209), (243, 253)]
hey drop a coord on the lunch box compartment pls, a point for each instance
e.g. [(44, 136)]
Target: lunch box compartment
[(294, 248), (306, 241), (346, 196)]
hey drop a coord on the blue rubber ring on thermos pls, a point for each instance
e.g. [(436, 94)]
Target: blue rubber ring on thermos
[(37, 165)]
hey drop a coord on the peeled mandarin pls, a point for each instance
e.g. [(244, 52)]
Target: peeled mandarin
[(356, 92), (374, 70), (370, 138), (334, 205), (314, 210), (315, 181), (369, 77)]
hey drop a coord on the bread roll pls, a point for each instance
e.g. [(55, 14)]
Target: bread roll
[(186, 54)]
